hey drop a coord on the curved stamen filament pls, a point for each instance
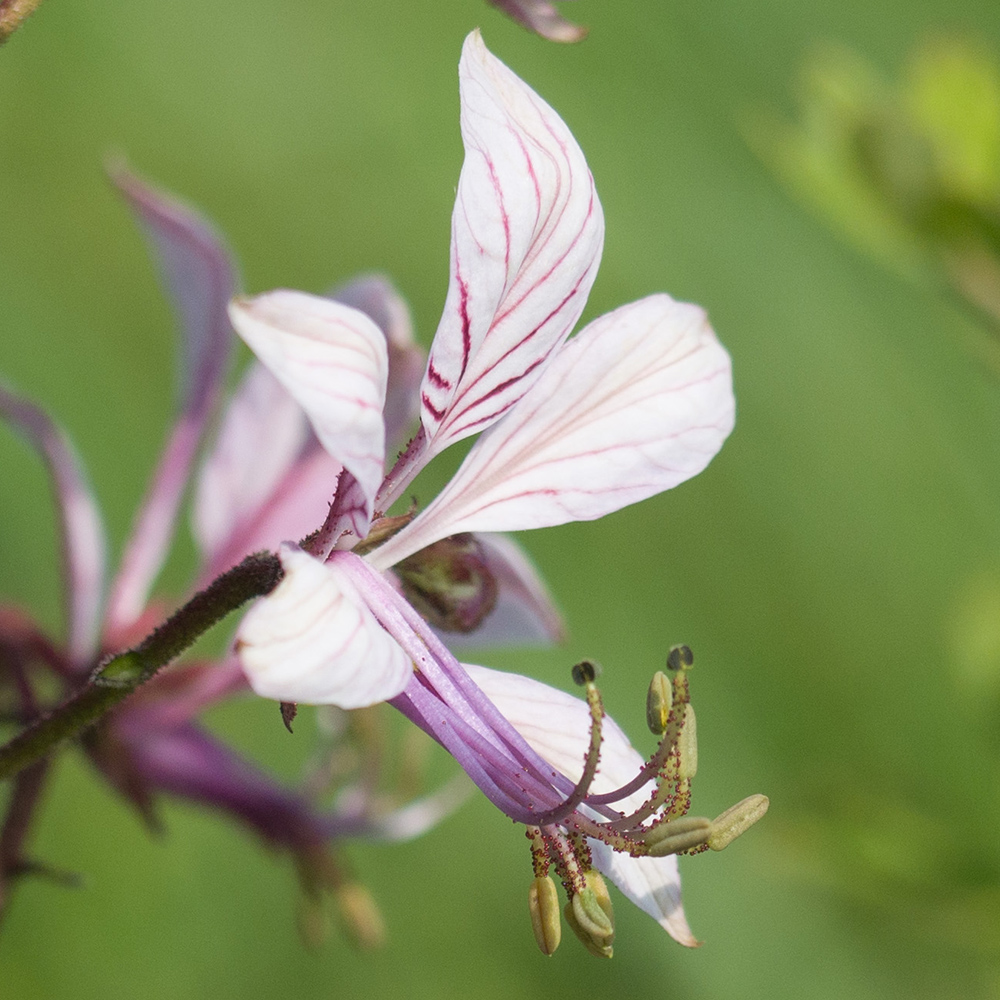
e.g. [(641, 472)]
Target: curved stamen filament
[(579, 793)]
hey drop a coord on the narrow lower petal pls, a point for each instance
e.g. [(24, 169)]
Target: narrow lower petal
[(557, 726), (527, 234), (333, 361), (638, 402), (376, 297), (199, 278), (313, 640), (80, 527)]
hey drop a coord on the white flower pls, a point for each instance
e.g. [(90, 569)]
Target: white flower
[(570, 429)]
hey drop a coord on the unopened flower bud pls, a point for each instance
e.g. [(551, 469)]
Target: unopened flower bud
[(659, 701), (687, 745), (736, 820), (591, 916), (678, 835), (450, 583), (543, 904)]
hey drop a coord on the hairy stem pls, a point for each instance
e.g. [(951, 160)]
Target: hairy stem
[(114, 681)]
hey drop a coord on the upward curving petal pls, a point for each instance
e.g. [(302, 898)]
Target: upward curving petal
[(314, 640), (80, 526), (638, 402), (198, 274), (557, 726), (527, 234), (333, 361)]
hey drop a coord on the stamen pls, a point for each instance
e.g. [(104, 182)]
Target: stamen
[(654, 769), (543, 905), (590, 915), (584, 674), (736, 820), (659, 702), (678, 835)]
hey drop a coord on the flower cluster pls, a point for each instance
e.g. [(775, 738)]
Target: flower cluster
[(568, 427)]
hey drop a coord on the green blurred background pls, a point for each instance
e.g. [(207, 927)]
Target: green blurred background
[(836, 569)]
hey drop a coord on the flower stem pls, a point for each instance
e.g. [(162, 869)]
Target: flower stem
[(114, 681)]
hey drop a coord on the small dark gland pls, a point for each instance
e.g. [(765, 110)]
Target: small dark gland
[(679, 656), (586, 672)]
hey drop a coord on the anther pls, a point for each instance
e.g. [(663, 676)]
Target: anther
[(543, 904), (589, 913), (680, 657), (659, 701), (677, 835), (736, 820), (687, 745), (586, 672)]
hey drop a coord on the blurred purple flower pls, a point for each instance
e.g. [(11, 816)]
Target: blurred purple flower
[(542, 18)]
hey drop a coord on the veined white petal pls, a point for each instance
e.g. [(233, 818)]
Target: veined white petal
[(653, 884), (376, 296), (557, 726), (636, 403), (525, 614), (262, 434), (332, 360), (314, 640), (527, 234)]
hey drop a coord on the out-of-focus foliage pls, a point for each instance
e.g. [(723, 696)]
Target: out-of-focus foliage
[(910, 172), (836, 570)]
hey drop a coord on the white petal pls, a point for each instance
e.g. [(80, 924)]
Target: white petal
[(527, 234), (332, 359), (638, 402), (653, 884), (313, 640), (377, 297), (261, 437), (525, 614), (557, 726)]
